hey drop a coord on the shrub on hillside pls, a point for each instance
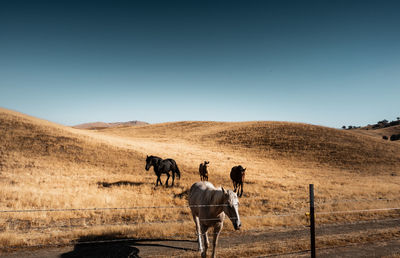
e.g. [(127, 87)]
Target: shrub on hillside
[(395, 137)]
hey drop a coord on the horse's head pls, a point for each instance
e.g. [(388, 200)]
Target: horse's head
[(206, 163), (231, 207), (148, 162)]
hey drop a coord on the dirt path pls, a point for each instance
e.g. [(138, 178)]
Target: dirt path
[(188, 247)]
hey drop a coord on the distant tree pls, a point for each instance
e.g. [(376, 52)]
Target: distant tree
[(384, 137), (350, 127), (398, 118), (344, 127)]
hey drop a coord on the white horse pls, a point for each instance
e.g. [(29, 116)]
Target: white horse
[(209, 206)]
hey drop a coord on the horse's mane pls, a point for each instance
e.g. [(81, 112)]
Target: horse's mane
[(156, 157)]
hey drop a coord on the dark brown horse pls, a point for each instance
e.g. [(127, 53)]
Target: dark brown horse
[(162, 166), (203, 170), (237, 176)]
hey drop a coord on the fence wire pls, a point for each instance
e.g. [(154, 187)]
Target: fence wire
[(179, 237), (355, 211), (322, 202), (83, 226), (113, 208), (179, 206)]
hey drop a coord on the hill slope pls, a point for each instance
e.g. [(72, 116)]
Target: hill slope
[(378, 133), (278, 141), (102, 125), (45, 165), (26, 139)]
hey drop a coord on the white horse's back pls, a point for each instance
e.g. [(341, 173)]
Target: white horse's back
[(198, 191), (203, 193)]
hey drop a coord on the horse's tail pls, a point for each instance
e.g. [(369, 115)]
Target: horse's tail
[(176, 170)]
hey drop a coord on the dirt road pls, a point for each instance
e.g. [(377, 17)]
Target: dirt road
[(383, 245)]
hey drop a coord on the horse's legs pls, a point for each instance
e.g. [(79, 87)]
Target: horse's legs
[(198, 231), (158, 180), (166, 182), (206, 242), (217, 230), (241, 189), (173, 178), (234, 186)]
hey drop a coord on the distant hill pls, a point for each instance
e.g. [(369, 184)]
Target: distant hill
[(103, 125), (379, 125), (383, 129), (297, 142)]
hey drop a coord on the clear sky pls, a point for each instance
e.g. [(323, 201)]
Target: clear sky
[(331, 63)]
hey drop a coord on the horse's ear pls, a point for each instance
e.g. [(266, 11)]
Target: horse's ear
[(224, 191), (147, 156)]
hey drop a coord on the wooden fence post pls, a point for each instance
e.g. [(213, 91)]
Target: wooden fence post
[(312, 221)]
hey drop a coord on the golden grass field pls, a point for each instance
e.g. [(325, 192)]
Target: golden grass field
[(48, 166)]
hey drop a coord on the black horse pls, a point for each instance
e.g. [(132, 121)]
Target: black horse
[(163, 166), (237, 175)]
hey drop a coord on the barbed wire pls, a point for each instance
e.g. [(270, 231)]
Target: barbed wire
[(115, 208), (354, 200), (299, 212), (355, 211), (211, 219), (155, 222), (180, 206), (85, 226), (178, 237)]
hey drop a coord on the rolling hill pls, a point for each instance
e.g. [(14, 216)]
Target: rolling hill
[(103, 125), (27, 140), (381, 129), (45, 165), (378, 133), (296, 142)]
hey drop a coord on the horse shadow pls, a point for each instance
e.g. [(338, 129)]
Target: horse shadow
[(110, 246), (183, 195), (119, 183)]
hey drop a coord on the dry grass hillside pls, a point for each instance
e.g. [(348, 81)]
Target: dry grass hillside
[(47, 166), (378, 133), (294, 142)]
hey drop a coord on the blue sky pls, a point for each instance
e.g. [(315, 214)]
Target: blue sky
[(330, 63)]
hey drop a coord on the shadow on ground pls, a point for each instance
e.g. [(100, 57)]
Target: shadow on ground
[(111, 246), (119, 183)]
